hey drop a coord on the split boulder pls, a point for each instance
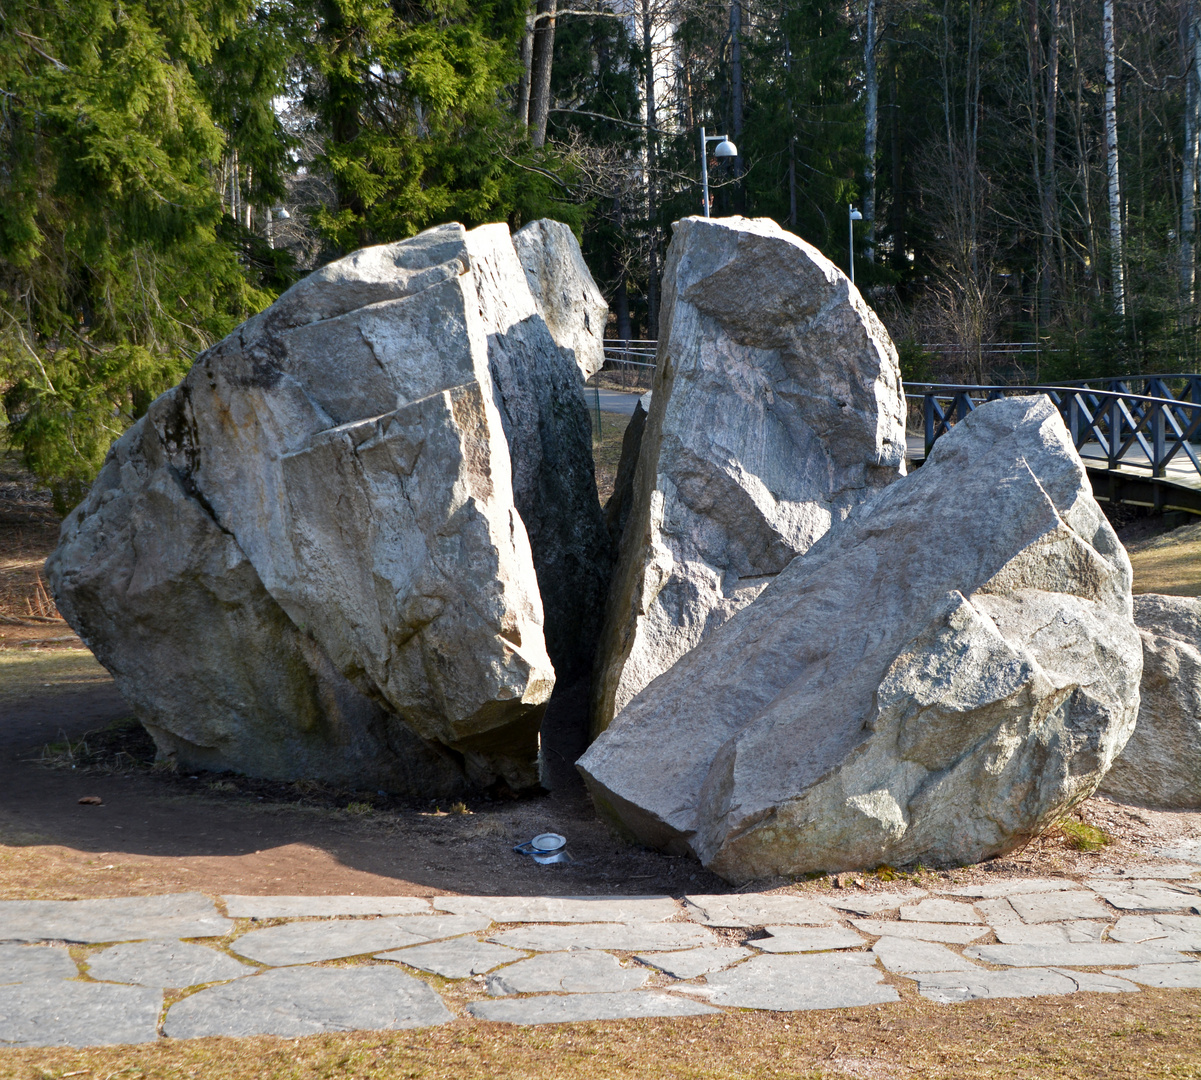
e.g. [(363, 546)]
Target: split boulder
[(1161, 764), (776, 408), (941, 676)]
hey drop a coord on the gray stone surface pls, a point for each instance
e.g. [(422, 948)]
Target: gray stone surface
[(457, 958), (991, 890), (858, 712), (951, 933), (1181, 932), (540, 397), (625, 937), (312, 942), (582, 972), (1056, 906), (691, 963), (1076, 931), (305, 1001), (951, 986), (562, 1009), (786, 983), (791, 939), (1161, 764), (872, 903), (740, 468), (936, 909), (906, 957), (165, 964), (35, 963), (1148, 896), (561, 909), (1098, 984), (127, 918), (567, 297), (295, 907), (621, 502), (1165, 975), (1073, 954), (1188, 850), (998, 913), (347, 452), (749, 909), (77, 1014), (1155, 871)]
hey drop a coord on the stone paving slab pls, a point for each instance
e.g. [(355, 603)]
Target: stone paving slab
[(1181, 932), (792, 939), (1057, 906), (950, 933), (1077, 931), (741, 911), (307, 1000), (164, 964), (458, 958), (906, 957), (583, 972), (940, 910), (1186, 850), (873, 903), (801, 982), (1100, 984), (555, 1009), (625, 937), (298, 907), (1171, 872), (1150, 896), (77, 1014), (1073, 955), (692, 963), (35, 963), (562, 909), (1163, 975), (993, 890), (948, 987), (998, 912), (311, 942), (127, 918)]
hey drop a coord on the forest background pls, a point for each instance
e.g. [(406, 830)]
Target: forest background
[(1026, 169)]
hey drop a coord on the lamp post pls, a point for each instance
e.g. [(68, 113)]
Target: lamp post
[(853, 217), (725, 149)]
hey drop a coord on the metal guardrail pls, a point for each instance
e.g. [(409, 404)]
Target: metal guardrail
[(1121, 423)]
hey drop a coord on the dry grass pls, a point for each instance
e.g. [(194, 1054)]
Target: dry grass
[(1170, 563), (607, 452), (1085, 1036), (35, 672)]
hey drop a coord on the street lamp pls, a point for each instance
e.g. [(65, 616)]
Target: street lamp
[(725, 149), (854, 216)]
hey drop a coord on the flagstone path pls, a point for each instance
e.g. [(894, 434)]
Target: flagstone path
[(138, 969)]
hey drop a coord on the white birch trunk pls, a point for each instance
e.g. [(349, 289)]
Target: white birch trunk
[(870, 100), (1111, 150), (1188, 180)]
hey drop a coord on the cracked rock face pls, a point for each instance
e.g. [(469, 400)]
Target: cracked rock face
[(315, 535), (1161, 764), (940, 677), (777, 407)]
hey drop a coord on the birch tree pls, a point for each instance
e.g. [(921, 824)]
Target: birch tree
[(1117, 264)]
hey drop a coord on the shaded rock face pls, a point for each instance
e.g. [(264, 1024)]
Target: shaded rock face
[(923, 684), (564, 292), (344, 456), (1161, 764), (776, 408)]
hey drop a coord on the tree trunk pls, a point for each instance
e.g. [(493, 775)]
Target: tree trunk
[(736, 94), (1188, 184), (544, 51), (900, 260), (652, 164), (1050, 203), (1118, 274), (870, 101), (527, 65)]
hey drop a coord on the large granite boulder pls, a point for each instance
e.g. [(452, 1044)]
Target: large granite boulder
[(208, 661), (942, 675), (563, 289), (348, 444), (1161, 765), (776, 407)]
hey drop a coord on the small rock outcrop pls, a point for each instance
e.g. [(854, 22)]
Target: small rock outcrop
[(344, 455), (1161, 764), (563, 289), (776, 407), (938, 678)]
